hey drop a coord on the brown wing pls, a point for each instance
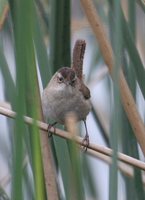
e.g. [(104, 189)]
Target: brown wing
[(78, 56), (85, 91)]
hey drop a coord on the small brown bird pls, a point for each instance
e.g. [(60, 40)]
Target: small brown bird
[(66, 92)]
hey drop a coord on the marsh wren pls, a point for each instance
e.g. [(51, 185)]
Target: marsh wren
[(66, 92)]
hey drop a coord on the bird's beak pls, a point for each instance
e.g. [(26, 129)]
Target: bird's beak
[(67, 83)]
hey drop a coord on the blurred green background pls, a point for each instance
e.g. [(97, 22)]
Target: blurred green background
[(36, 39)]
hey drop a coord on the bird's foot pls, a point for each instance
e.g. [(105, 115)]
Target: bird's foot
[(85, 142), (49, 127)]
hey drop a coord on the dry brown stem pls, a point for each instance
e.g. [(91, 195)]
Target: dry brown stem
[(4, 15), (106, 49), (49, 168), (96, 148)]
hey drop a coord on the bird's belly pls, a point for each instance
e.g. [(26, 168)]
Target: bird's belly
[(57, 110)]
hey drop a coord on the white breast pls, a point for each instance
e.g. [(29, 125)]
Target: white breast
[(58, 101)]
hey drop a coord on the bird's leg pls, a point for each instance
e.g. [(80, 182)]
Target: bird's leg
[(49, 127), (85, 141)]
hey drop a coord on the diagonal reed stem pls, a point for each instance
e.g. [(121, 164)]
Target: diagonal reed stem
[(96, 148)]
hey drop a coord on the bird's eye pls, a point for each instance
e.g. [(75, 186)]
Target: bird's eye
[(60, 79)]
